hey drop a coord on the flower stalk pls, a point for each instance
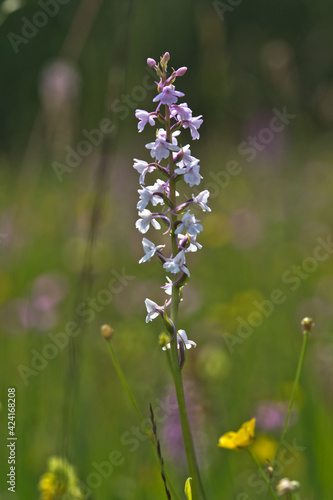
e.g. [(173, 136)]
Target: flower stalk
[(307, 324), (175, 163)]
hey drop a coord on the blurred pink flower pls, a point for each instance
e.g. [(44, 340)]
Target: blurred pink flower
[(59, 83), (39, 310), (246, 227), (271, 415), (172, 433)]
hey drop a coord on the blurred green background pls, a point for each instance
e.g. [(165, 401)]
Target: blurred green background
[(67, 228)]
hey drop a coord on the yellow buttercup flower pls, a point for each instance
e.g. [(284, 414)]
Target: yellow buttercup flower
[(265, 448), (59, 480), (51, 486), (240, 439)]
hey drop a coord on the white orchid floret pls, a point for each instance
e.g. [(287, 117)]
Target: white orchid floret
[(148, 194), (147, 218), (193, 246), (193, 124), (181, 111), (184, 157), (176, 264), (189, 224), (161, 148), (144, 117), (168, 286), (201, 200), (143, 168), (182, 339), (191, 173), (153, 310), (150, 249)]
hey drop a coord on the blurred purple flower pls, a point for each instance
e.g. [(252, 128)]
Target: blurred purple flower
[(39, 310), (261, 141), (59, 83), (172, 433), (271, 415), (247, 228)]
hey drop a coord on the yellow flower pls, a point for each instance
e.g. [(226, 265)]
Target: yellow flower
[(240, 439), (51, 486), (265, 448), (59, 480)]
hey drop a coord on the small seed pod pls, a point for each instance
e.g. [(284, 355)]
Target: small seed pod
[(107, 332), (307, 324)]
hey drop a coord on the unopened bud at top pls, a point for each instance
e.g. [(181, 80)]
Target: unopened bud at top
[(181, 71), (166, 57), (307, 324), (151, 62), (107, 332), (164, 61)]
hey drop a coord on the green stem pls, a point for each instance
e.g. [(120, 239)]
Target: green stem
[(127, 388), (124, 381), (293, 394), (262, 473), (193, 468)]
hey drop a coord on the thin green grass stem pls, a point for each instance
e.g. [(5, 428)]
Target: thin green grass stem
[(293, 394)]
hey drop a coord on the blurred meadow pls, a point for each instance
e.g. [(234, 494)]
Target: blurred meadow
[(261, 74)]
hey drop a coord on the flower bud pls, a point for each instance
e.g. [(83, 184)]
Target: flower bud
[(181, 71), (163, 339), (269, 468), (107, 332), (164, 61), (151, 62), (307, 324)]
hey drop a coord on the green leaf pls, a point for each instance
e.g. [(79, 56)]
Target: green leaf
[(188, 490)]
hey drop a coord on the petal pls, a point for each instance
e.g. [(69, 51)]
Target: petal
[(228, 441)]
